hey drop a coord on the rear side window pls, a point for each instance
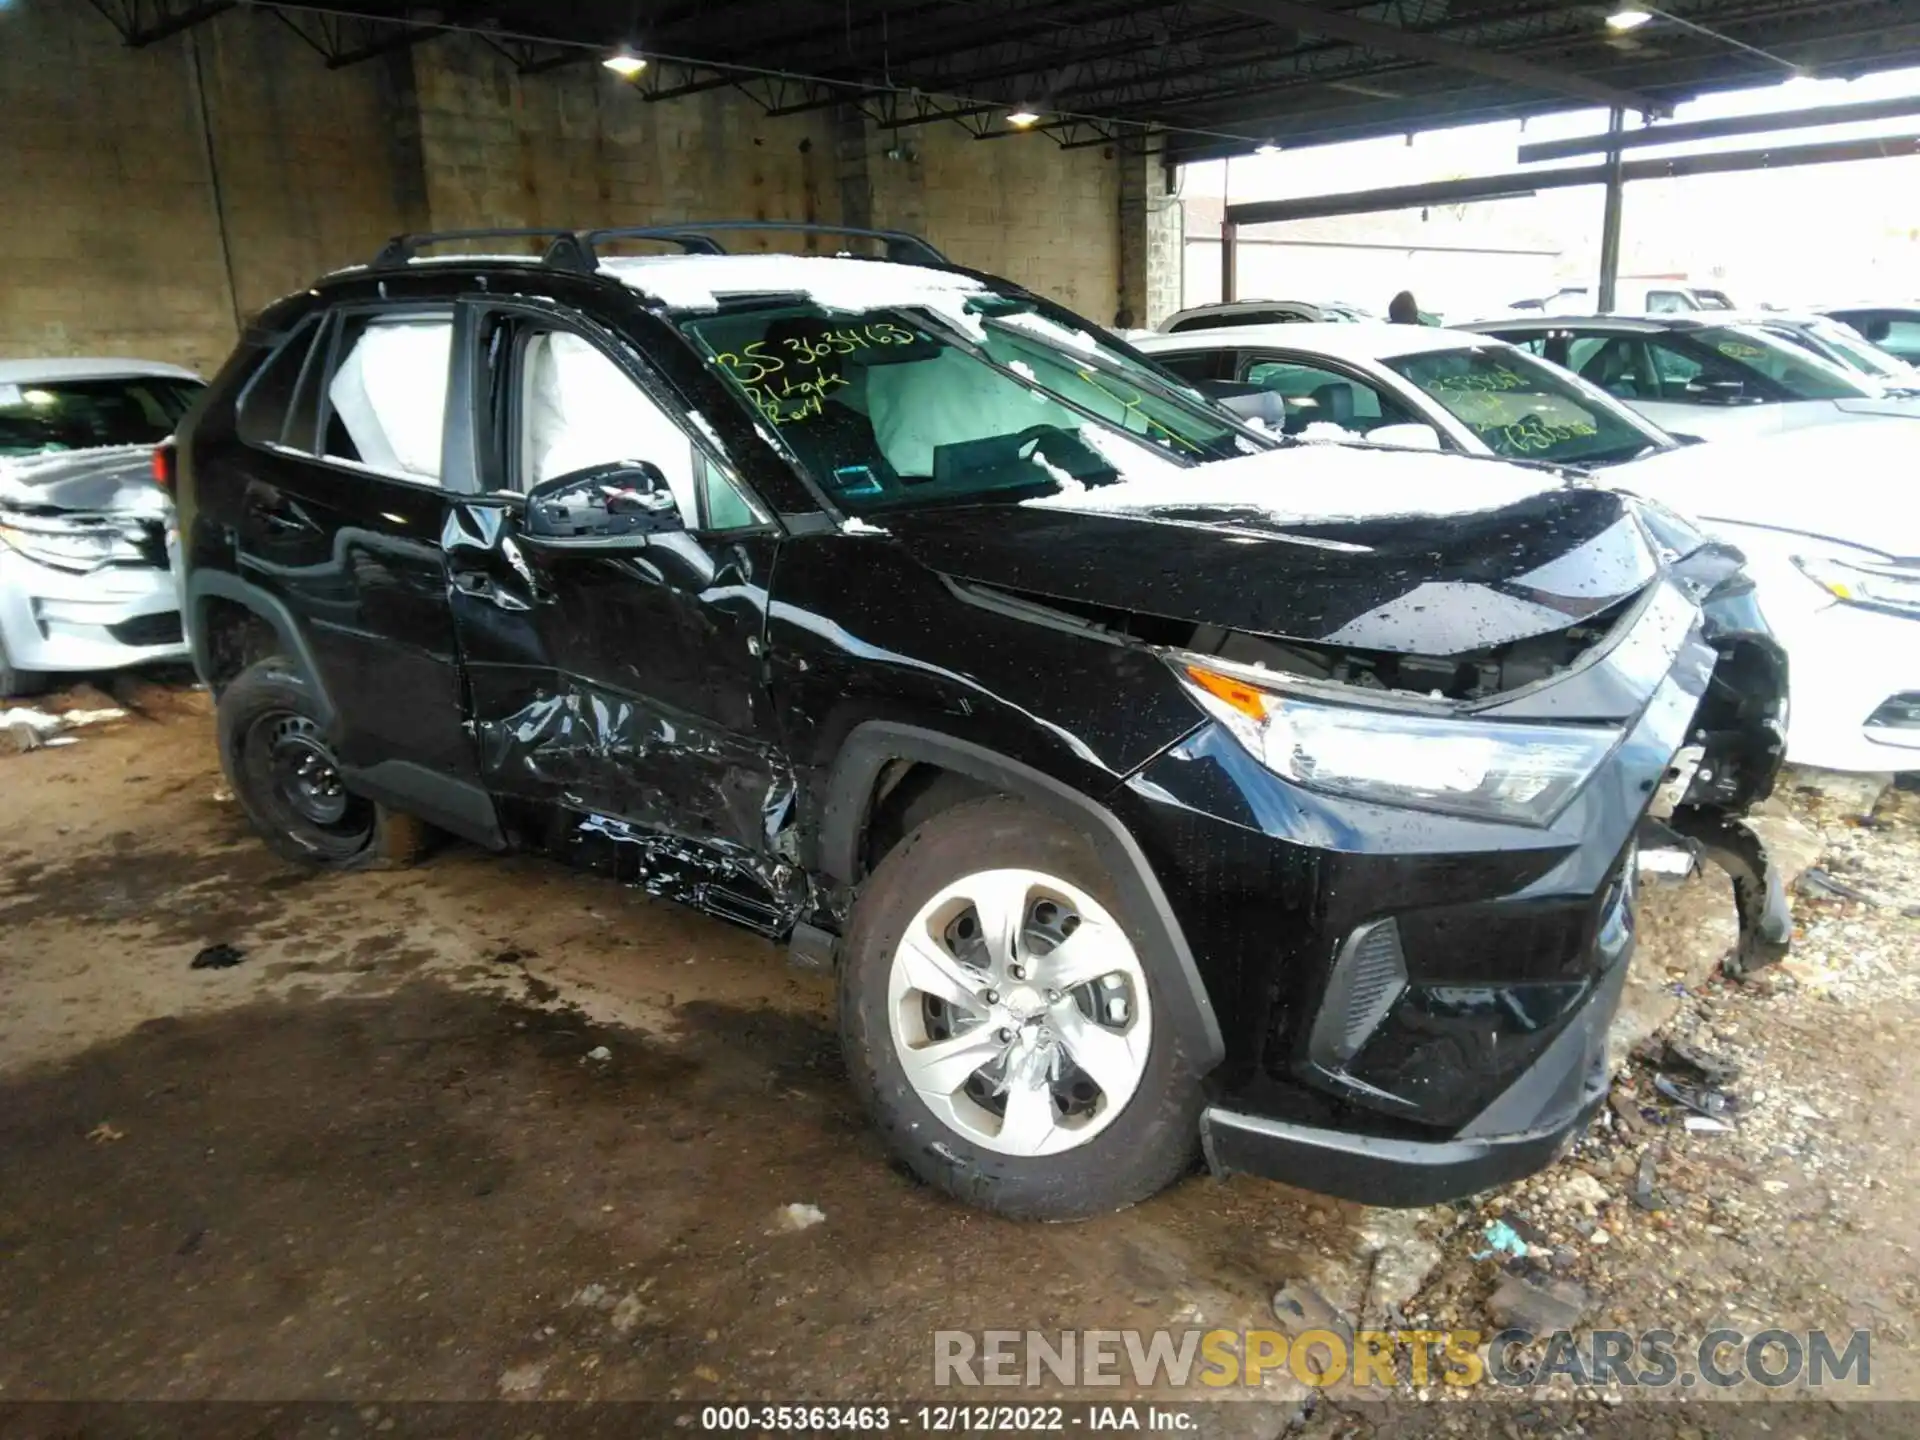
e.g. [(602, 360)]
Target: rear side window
[(385, 400), (268, 399)]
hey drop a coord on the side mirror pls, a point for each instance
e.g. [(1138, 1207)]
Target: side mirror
[(612, 507), (1249, 402), (1409, 436)]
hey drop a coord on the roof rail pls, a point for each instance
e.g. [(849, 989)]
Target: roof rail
[(902, 246), (576, 249), (402, 248)]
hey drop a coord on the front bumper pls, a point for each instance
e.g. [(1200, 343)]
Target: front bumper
[(1525, 1129), (1415, 1006), (54, 620)]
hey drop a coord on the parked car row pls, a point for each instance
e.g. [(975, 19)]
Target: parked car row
[(1838, 561), (1156, 780)]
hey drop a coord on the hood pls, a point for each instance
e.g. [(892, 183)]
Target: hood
[(1850, 483), (1402, 551), (113, 480)]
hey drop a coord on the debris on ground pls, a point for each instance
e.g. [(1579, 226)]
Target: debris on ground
[(523, 1379), (799, 1216), (1300, 1308), (103, 1134), (25, 728), (218, 957), (1538, 1306), (1644, 1195), (1502, 1238), (1673, 1055), (1818, 882), (1706, 1124), (1700, 1099), (599, 1055)]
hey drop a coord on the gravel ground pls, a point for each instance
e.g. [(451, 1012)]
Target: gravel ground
[(488, 1128)]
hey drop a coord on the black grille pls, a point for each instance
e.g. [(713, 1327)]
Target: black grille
[(159, 629)]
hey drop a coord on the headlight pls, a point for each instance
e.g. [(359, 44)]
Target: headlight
[(1879, 587), (1488, 768), (67, 544)]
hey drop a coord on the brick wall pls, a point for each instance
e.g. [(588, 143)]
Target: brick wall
[(155, 193)]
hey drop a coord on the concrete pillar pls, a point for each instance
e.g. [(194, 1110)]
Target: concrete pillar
[(1151, 242)]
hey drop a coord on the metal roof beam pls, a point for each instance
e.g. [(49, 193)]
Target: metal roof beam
[(1433, 50), (1527, 182), (1724, 126)]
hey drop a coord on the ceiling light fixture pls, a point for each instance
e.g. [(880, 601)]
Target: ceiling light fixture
[(1023, 117), (1266, 147), (1628, 19), (625, 63)]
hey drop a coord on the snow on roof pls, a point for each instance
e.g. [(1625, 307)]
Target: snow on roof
[(835, 282), (1355, 340), (26, 372)]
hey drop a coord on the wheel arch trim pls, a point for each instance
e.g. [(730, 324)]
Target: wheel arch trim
[(872, 745), (205, 585)]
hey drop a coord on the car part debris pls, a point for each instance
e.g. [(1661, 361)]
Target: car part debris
[(1300, 1309), (1712, 1070), (218, 957), (1700, 1099), (1818, 882), (1707, 1124), (1759, 898), (1538, 1306)]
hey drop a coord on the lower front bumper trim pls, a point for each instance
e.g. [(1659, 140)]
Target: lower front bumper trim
[(1391, 1173)]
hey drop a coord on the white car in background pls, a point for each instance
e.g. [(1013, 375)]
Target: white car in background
[(85, 578), (1829, 518), (1698, 376), (1826, 515), (1408, 385)]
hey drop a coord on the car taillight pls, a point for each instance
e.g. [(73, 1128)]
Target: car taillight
[(163, 466)]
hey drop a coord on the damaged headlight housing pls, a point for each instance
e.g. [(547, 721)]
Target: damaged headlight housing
[(66, 544), (1491, 769), (1877, 586)]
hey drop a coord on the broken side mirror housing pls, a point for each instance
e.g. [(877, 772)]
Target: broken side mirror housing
[(613, 507)]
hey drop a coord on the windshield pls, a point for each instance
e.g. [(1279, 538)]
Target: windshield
[(42, 417), (1801, 375), (982, 399), (1525, 410), (1848, 347)]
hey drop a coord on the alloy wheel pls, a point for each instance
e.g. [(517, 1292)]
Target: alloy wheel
[(1020, 1012)]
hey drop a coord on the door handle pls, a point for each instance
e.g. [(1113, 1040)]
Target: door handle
[(482, 587)]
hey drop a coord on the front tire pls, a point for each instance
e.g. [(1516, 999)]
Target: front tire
[(1002, 1027)]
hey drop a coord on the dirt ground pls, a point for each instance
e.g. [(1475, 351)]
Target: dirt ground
[(383, 1158)]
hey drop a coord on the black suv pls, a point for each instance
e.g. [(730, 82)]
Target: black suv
[(1154, 783)]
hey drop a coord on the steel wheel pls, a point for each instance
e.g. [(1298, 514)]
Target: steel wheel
[(1019, 1012), (293, 774)]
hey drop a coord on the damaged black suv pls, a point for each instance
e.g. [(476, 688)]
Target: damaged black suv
[(1155, 784)]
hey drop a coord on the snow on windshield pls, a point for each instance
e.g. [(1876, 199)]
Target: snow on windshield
[(1319, 485)]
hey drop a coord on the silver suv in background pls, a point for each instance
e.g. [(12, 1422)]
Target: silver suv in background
[(84, 577)]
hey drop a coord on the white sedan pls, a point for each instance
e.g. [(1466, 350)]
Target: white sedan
[(1830, 523), (1825, 514), (1409, 385)]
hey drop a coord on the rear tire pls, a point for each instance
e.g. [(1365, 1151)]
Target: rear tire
[(281, 768), (1002, 1061)]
